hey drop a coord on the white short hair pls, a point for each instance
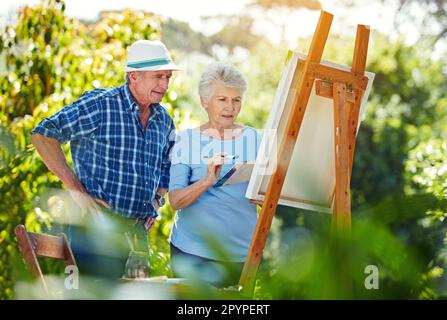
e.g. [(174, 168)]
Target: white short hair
[(228, 75)]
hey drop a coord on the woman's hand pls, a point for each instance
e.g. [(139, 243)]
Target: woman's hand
[(214, 167), (184, 197)]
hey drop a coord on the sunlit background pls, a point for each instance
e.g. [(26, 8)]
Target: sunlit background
[(291, 22)]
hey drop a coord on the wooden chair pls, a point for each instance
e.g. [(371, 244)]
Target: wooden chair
[(33, 245)]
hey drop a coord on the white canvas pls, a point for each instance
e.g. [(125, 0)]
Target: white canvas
[(310, 179)]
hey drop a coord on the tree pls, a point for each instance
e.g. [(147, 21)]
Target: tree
[(179, 35), (427, 17)]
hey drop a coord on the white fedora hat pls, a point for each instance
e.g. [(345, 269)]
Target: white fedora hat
[(145, 55)]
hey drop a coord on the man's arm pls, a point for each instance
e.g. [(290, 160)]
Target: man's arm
[(75, 121), (52, 155)]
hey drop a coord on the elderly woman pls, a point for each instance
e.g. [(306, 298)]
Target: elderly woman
[(213, 226)]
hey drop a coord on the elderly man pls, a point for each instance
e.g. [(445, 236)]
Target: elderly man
[(120, 143)]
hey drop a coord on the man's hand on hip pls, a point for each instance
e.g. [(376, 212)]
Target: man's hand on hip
[(54, 158), (87, 203), (149, 223)]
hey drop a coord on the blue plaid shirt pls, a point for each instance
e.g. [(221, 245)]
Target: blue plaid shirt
[(115, 158)]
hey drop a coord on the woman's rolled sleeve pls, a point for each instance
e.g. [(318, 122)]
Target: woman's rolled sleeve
[(179, 176)]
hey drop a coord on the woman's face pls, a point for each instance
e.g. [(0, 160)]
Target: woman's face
[(223, 106)]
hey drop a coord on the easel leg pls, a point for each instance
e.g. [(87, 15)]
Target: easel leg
[(341, 223), (346, 116), (276, 181), (358, 66)]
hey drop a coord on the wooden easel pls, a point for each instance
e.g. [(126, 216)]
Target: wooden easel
[(331, 83)]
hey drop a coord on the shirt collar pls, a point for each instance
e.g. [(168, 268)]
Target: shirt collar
[(130, 101)]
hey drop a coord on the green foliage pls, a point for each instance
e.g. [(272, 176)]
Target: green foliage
[(178, 34), (428, 168), (50, 61), (398, 180), (399, 188), (310, 264), (159, 244), (263, 76), (237, 31), (408, 91)]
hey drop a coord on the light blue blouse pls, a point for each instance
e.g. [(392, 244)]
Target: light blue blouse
[(220, 224)]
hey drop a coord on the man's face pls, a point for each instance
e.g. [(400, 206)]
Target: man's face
[(150, 86)]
